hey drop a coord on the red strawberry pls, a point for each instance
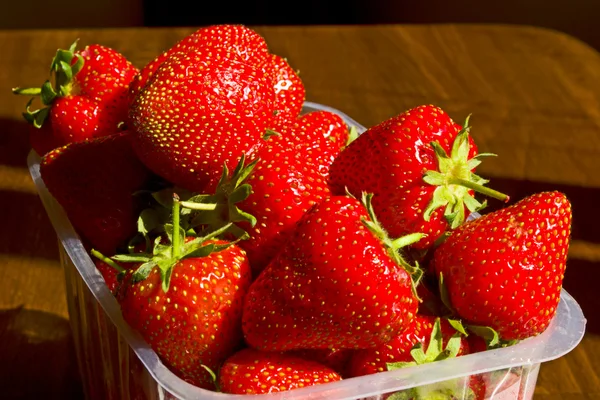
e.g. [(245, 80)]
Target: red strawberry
[(251, 371), (336, 359), (285, 181), (186, 301), (94, 181), (505, 269), (89, 97), (289, 89), (337, 283), (247, 45), (426, 340), (398, 350), (199, 111), (417, 187)]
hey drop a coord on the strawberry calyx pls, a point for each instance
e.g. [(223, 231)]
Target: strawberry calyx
[(64, 68), (454, 179), (436, 351), (491, 337), (229, 192), (393, 246), (166, 256)]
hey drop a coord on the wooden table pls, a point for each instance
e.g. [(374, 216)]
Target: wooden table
[(535, 99)]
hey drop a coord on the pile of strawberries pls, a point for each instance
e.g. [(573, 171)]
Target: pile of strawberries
[(259, 250)]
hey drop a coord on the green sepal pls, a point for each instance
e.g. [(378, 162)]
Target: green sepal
[(270, 133), (444, 294), (213, 376), (143, 271), (27, 91), (488, 334), (393, 246), (457, 325), (408, 394), (352, 135), (47, 93)]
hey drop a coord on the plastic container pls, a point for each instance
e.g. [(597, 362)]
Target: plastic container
[(116, 363)]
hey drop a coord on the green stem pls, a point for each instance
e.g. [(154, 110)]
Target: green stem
[(480, 189), (176, 238), (107, 260)]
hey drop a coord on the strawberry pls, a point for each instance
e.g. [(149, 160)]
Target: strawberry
[(186, 300), (199, 111), (250, 371), (268, 196), (289, 89), (94, 181), (427, 339), (336, 359), (247, 45), (404, 162), (337, 283), (505, 269), (421, 331), (89, 97)]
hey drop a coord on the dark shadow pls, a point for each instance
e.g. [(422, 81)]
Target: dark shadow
[(14, 141), (38, 357), (580, 281), (27, 228), (584, 201)]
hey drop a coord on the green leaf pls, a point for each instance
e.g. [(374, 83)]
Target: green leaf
[(434, 178), (149, 220), (27, 91), (444, 162), (408, 394), (241, 193), (418, 355), (200, 252), (488, 334), (407, 240), (352, 135), (452, 348), (460, 147), (435, 343), (270, 133), (40, 117), (400, 365), (136, 258), (75, 68), (456, 324), (143, 271), (441, 197), (472, 204), (237, 215), (444, 295), (47, 93)]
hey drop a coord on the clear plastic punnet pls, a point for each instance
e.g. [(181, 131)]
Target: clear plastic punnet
[(116, 363)]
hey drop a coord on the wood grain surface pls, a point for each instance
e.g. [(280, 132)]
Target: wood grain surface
[(534, 96)]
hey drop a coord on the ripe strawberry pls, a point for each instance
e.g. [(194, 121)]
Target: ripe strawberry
[(251, 371), (289, 89), (417, 187), (505, 269), (94, 181), (427, 339), (247, 45), (336, 359), (89, 97), (422, 330), (199, 111), (337, 283), (285, 181), (186, 300)]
